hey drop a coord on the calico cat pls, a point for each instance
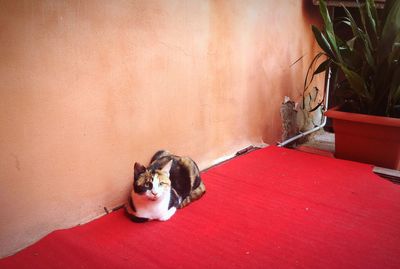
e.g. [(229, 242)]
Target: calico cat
[(169, 183)]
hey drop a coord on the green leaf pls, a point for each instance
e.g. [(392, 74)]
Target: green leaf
[(314, 60), (350, 43), (356, 82), (369, 25), (390, 30), (372, 15), (394, 56), (352, 23), (343, 46), (322, 42), (394, 94), (388, 7), (367, 62), (322, 67), (363, 37), (329, 28), (323, 9)]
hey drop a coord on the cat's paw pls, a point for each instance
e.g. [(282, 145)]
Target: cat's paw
[(168, 215)]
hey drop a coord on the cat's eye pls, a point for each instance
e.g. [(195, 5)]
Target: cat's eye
[(147, 185)]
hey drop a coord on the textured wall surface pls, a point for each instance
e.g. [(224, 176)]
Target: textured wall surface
[(89, 87)]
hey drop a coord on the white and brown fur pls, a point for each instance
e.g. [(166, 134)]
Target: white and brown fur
[(169, 183)]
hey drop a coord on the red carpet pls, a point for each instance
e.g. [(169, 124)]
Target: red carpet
[(272, 208)]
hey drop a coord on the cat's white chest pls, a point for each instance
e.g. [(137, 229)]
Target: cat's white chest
[(149, 209)]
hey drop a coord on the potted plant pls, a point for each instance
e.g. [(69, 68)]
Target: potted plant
[(366, 81)]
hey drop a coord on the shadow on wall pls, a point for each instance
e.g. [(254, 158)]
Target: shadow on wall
[(284, 68), (311, 13)]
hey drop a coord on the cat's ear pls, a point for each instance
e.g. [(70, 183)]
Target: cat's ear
[(139, 169), (167, 167)]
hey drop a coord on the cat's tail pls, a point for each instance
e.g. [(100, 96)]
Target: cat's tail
[(194, 195), (159, 154)]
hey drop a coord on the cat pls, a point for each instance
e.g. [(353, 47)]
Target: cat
[(169, 183)]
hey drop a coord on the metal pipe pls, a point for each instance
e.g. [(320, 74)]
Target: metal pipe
[(316, 128)]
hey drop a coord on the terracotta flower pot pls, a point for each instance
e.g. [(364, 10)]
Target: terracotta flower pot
[(367, 139)]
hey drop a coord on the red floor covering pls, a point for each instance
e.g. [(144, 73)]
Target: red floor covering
[(272, 208)]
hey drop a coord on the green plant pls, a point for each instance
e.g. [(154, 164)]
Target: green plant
[(367, 77)]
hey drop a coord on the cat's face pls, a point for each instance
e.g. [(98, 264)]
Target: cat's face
[(152, 185)]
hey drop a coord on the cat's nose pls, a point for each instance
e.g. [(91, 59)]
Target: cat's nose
[(154, 193)]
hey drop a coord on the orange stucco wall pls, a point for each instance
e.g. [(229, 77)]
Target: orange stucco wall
[(89, 87)]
